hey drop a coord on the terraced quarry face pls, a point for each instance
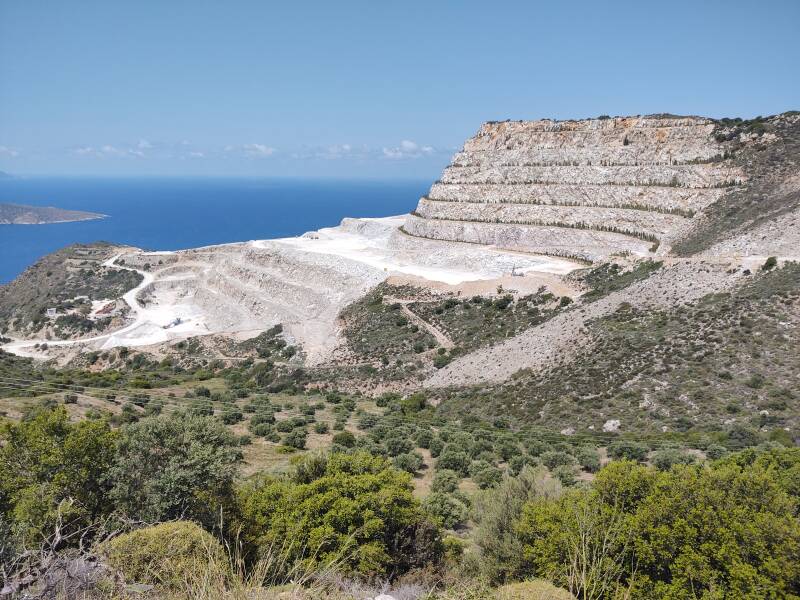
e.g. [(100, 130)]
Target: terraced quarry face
[(586, 189)]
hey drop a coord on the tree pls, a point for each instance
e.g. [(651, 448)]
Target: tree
[(176, 466), (52, 469), (356, 510)]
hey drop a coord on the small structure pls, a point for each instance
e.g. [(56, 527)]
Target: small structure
[(51, 313), (176, 321)]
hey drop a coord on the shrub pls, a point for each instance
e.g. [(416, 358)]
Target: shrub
[(410, 462), (769, 264), (557, 458), (397, 445), (53, 469), (165, 555), (424, 437), (665, 459), (356, 511), (231, 416), (176, 466), (715, 451), (322, 427), (588, 459), (345, 439), (742, 436), (436, 446), (487, 477), (295, 439), (566, 475), (448, 511), (625, 449), (496, 512), (517, 463), (658, 531), (454, 460), (445, 481)]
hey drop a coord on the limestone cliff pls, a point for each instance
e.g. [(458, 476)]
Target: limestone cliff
[(588, 188)]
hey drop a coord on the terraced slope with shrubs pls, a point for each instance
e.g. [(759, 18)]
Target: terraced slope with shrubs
[(727, 359), (65, 280)]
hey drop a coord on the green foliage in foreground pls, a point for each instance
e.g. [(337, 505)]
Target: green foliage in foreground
[(51, 469), (177, 466), (692, 532), (352, 510)]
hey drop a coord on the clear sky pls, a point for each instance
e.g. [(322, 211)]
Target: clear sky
[(371, 88)]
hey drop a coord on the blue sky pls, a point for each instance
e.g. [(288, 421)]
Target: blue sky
[(360, 88)]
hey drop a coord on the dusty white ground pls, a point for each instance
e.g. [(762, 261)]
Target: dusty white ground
[(302, 282)]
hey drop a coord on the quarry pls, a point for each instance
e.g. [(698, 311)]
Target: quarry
[(523, 205)]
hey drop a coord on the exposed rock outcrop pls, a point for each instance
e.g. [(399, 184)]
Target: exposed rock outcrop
[(589, 188)]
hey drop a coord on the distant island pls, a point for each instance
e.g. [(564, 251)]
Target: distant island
[(20, 214)]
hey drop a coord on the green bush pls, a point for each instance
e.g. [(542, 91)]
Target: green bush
[(53, 470), (588, 459), (496, 512), (557, 458), (357, 511), (396, 445), (628, 450), (410, 462), (453, 459), (175, 466), (344, 439), (566, 475), (665, 459), (322, 427), (447, 510), (691, 532), (445, 481), (295, 439), (487, 477), (231, 416), (168, 555), (715, 451)]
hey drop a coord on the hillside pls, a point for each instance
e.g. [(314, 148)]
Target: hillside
[(651, 224), (21, 214), (584, 337), (67, 282)]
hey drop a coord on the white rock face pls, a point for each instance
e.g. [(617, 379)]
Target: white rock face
[(587, 189), (302, 283), (611, 425)]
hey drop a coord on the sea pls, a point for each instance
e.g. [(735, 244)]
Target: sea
[(176, 213)]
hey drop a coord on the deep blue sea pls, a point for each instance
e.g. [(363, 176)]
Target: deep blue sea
[(176, 213)]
